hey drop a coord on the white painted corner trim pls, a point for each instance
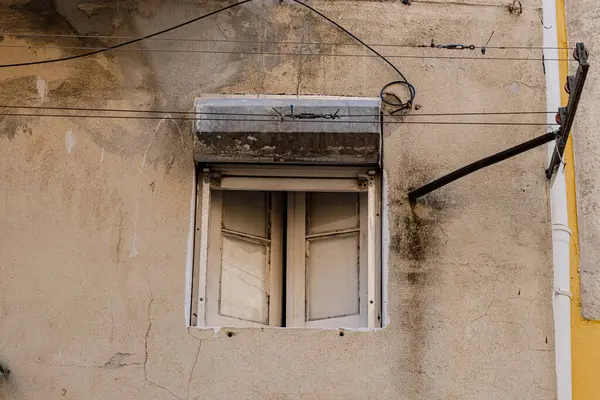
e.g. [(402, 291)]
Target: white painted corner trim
[(561, 235)]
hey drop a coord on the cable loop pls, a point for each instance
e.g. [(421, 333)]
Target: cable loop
[(399, 104), (403, 81)]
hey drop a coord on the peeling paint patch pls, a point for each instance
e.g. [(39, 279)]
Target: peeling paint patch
[(102, 155), (134, 251), (69, 141), (42, 88), (91, 9), (354, 147), (116, 361)]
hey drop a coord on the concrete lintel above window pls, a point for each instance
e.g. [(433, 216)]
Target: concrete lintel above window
[(287, 129)]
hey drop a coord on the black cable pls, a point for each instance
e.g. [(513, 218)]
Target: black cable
[(296, 54), (271, 41), (403, 81), (131, 110), (274, 119), (124, 43)]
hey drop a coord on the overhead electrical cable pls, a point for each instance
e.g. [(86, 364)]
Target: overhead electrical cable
[(178, 112), (276, 53), (31, 34), (125, 43), (400, 105), (274, 119)]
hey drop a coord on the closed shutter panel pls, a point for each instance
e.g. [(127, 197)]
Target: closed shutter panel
[(332, 271), (244, 271), (332, 256)]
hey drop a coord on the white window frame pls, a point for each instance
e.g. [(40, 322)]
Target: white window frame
[(290, 179)]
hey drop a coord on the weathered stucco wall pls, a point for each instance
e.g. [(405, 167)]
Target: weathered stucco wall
[(94, 213), (584, 27)]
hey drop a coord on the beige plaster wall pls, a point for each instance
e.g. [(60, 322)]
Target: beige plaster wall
[(583, 26), (94, 213)]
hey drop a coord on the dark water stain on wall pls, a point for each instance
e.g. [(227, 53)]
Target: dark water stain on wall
[(39, 16), (95, 17), (16, 91), (11, 126), (101, 81), (416, 244), (91, 84), (21, 89), (416, 240), (418, 226)]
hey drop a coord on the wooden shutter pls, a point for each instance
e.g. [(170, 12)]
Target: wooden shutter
[(244, 259), (327, 259)]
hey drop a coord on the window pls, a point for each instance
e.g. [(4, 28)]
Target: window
[(287, 247)]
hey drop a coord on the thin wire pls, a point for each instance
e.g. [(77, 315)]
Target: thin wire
[(488, 42), (272, 120), (477, 113), (562, 161), (130, 110), (16, 34), (528, 48), (266, 53), (413, 92), (128, 42)]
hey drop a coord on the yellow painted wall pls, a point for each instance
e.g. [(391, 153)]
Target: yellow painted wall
[(585, 334)]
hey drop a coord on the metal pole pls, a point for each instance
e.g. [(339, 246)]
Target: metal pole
[(574, 86)]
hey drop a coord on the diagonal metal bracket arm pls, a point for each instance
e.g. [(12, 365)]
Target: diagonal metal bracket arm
[(477, 165), (566, 115)]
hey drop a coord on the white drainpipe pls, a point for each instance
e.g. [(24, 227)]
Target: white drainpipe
[(561, 235)]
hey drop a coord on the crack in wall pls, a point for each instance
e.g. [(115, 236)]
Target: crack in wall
[(146, 336), (116, 361), (187, 396)]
